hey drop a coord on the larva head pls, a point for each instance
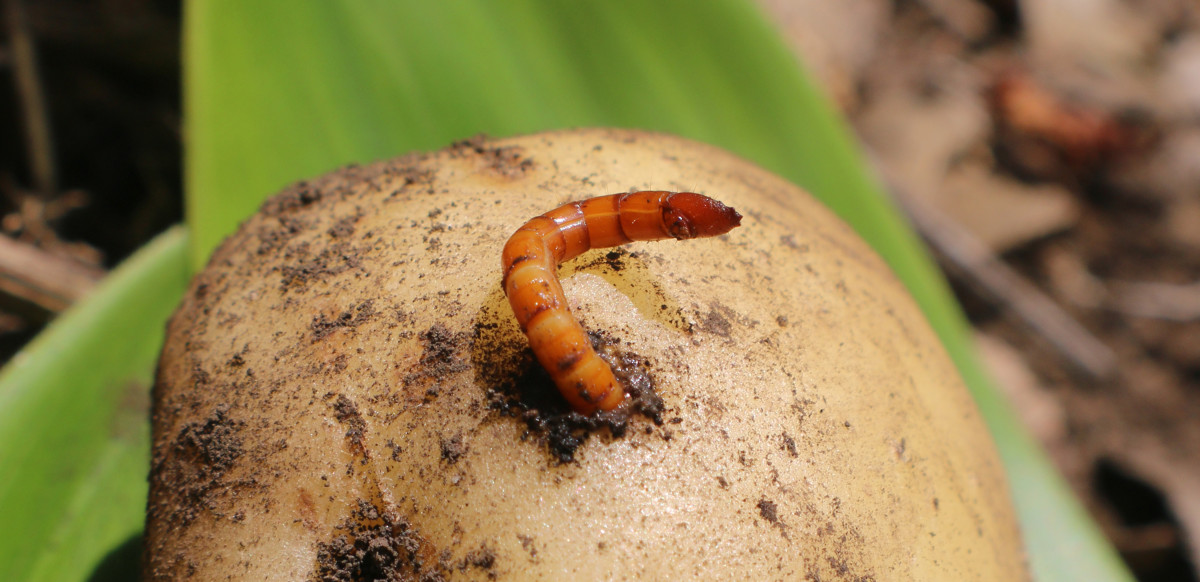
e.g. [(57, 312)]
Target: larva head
[(691, 215)]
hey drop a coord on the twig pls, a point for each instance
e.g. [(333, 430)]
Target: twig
[(47, 282), (1156, 300), (33, 102), (979, 265), (1167, 301)]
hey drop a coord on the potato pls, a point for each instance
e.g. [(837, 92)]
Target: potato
[(344, 393)]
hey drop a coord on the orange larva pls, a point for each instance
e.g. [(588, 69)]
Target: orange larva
[(530, 262)]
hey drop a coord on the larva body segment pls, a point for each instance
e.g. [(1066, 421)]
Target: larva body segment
[(530, 263)]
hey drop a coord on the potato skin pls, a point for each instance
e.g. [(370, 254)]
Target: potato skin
[(325, 401)]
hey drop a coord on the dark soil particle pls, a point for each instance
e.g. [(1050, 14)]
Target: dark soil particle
[(789, 241), (533, 398), (768, 511), (527, 543), (304, 269), (373, 545), (213, 444), (716, 322), (507, 160), (613, 258), (200, 456), (347, 414), (453, 449), (789, 444), (272, 239), (396, 450), (483, 559), (298, 196), (411, 175), (343, 227), (439, 358), (322, 326)]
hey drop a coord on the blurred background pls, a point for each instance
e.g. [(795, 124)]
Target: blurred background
[(1049, 153), (1047, 150)]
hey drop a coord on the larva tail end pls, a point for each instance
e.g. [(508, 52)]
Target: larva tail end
[(701, 216)]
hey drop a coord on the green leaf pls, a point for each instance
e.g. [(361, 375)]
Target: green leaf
[(280, 91), (74, 435)]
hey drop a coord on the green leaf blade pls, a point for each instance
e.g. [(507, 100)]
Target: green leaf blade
[(74, 438)]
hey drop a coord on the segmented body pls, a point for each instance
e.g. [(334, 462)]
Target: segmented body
[(530, 263)]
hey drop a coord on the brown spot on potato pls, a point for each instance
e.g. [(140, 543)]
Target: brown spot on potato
[(307, 509)]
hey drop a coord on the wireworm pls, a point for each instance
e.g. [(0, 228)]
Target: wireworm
[(530, 264)]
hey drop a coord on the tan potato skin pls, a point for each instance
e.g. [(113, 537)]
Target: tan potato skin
[(326, 379)]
